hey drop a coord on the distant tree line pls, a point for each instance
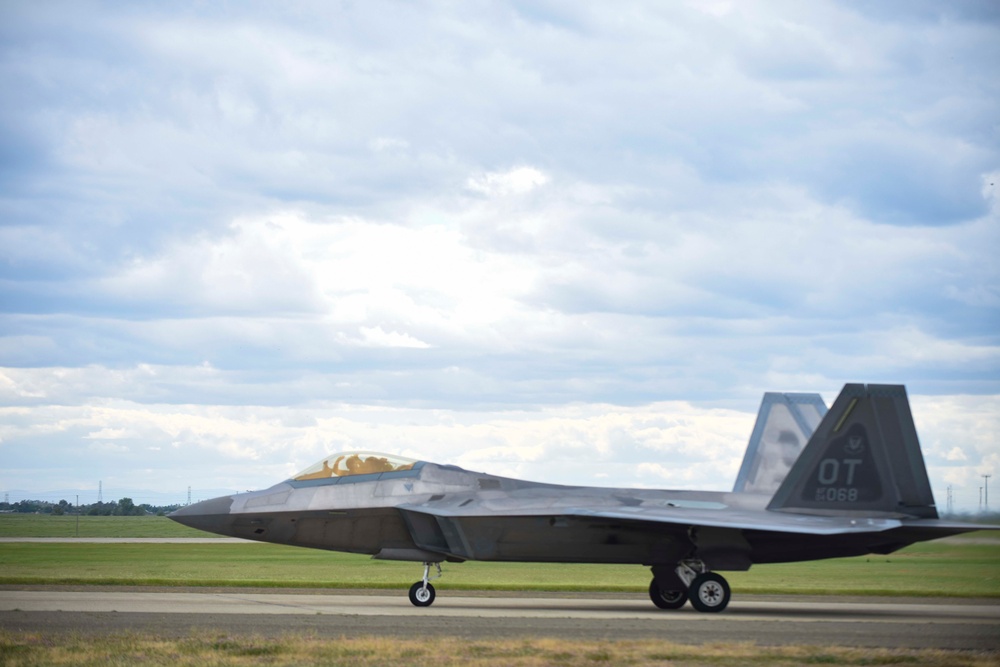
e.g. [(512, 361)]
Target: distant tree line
[(123, 507)]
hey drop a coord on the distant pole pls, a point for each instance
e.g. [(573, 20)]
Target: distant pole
[(78, 515), (949, 499), (986, 492), (100, 492), (189, 495)]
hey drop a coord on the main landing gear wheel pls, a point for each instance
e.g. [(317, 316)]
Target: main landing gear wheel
[(666, 599), (709, 592), (421, 594)]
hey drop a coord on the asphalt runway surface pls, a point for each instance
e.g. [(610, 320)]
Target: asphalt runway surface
[(763, 620)]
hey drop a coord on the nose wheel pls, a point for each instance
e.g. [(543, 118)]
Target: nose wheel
[(422, 593)]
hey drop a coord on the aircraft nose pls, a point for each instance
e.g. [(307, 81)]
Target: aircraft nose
[(211, 515)]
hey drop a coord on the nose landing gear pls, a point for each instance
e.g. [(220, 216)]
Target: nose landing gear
[(422, 593)]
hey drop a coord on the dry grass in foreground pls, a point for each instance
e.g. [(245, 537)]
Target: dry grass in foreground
[(207, 649)]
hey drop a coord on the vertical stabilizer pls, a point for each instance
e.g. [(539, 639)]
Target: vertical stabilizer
[(863, 458), (784, 425)]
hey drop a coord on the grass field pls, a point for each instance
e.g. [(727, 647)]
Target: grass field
[(42, 525), (28, 650), (965, 568)]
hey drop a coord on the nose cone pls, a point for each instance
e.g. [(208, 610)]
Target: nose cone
[(211, 515)]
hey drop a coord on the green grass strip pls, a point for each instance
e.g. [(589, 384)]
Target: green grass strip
[(41, 525), (928, 569)]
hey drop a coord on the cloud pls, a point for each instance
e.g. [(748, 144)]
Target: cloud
[(956, 454), (484, 290), (494, 207), (578, 444), (670, 444), (519, 180), (376, 337)]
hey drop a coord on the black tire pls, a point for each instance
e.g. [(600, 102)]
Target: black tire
[(420, 596), (666, 599), (709, 592)]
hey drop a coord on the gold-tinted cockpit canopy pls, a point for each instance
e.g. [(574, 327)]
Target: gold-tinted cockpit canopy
[(346, 464)]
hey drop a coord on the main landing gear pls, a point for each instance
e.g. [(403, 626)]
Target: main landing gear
[(708, 591), (666, 599), (422, 593)]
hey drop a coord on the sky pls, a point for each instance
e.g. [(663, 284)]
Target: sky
[(572, 242)]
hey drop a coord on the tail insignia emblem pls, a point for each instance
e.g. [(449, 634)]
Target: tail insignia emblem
[(855, 445)]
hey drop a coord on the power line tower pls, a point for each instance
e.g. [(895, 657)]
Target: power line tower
[(189, 496), (100, 492)]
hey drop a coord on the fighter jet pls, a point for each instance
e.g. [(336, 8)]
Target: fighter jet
[(814, 484)]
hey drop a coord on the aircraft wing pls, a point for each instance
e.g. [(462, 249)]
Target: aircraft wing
[(659, 518), (613, 534), (743, 520), (479, 532), (801, 524)]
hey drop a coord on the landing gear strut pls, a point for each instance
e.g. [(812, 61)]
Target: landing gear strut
[(422, 593), (709, 592)]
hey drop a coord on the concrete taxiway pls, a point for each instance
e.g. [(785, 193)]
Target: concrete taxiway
[(951, 624)]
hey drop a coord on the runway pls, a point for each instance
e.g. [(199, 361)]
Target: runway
[(951, 624)]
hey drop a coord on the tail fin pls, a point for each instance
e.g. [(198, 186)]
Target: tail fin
[(784, 424), (863, 458)]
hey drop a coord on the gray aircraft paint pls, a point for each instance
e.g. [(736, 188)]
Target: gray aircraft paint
[(859, 486)]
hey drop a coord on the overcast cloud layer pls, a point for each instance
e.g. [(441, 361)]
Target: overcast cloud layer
[(573, 242)]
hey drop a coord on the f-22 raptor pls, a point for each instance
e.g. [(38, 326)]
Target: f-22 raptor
[(814, 484)]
